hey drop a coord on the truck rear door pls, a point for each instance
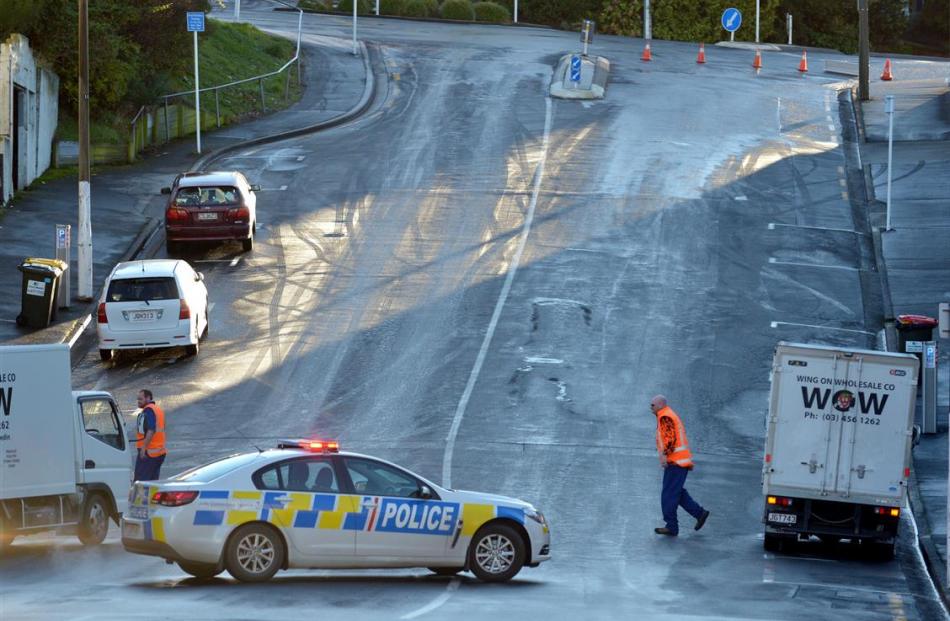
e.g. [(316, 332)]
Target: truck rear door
[(877, 414), (805, 430)]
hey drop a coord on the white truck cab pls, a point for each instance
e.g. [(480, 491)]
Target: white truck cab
[(65, 462)]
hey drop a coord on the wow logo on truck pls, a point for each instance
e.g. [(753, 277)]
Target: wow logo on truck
[(848, 397)]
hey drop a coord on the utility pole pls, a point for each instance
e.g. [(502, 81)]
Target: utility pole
[(84, 292), (864, 51), (647, 24)]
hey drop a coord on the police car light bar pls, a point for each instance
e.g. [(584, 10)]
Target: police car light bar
[(315, 446)]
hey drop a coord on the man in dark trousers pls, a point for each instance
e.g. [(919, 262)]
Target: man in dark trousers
[(676, 460), (150, 438)]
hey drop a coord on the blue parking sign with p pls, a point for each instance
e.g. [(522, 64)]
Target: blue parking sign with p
[(196, 21), (575, 68)]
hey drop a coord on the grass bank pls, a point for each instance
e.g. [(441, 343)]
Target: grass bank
[(226, 52)]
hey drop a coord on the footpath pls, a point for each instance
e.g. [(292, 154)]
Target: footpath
[(916, 256), (127, 207)]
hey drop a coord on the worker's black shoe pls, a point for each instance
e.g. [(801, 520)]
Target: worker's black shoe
[(702, 520), (664, 531)]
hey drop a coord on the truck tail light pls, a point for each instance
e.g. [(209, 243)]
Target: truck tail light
[(184, 311), (890, 511), (101, 313), (779, 501), (173, 214), (173, 499), (239, 214)]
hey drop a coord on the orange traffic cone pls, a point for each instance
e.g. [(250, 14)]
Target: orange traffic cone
[(647, 56), (757, 62), (886, 76), (701, 58), (803, 63)]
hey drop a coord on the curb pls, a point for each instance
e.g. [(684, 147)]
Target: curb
[(369, 92), (935, 567), (153, 226)]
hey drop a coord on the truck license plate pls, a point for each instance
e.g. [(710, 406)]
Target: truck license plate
[(783, 518)]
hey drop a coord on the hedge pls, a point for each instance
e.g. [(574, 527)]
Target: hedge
[(313, 5), (364, 7), (392, 7), (432, 7), (415, 8), (558, 13), (688, 20), (458, 9), (491, 12)]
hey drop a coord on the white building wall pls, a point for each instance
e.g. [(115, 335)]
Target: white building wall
[(37, 90)]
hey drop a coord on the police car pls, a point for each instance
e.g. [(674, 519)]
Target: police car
[(306, 504)]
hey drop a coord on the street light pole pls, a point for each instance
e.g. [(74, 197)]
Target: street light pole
[(356, 49), (647, 23), (864, 51), (84, 264), (889, 109)]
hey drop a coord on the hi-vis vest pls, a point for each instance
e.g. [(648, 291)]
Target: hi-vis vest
[(156, 446), (681, 455)]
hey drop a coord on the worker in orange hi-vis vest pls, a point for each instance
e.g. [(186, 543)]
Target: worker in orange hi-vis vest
[(676, 460)]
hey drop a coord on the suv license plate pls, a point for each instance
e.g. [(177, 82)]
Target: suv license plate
[(783, 518), (138, 513), (208, 216)]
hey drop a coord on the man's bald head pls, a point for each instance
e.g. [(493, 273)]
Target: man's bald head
[(657, 403)]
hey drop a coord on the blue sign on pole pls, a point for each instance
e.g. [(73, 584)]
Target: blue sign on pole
[(575, 68), (731, 20), (196, 21)]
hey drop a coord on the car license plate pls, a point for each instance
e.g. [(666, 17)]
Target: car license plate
[(783, 518), (142, 316), (208, 216), (131, 530), (138, 513)]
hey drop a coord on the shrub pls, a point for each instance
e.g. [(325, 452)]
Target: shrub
[(458, 9), (363, 7), (312, 5), (432, 7), (415, 8), (391, 7), (560, 14), (491, 12)]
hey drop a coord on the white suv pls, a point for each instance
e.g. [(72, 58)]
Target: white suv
[(149, 304)]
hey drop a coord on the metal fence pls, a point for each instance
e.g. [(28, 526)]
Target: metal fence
[(171, 117)]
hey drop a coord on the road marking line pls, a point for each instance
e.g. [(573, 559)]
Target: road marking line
[(8, 320), (451, 588), (843, 183), (234, 261), (82, 328), (542, 360), (776, 324), (844, 195), (301, 158), (775, 261), (831, 127), (772, 226), (210, 306), (502, 298)]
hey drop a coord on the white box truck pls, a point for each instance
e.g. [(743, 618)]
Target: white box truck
[(66, 464), (838, 447)]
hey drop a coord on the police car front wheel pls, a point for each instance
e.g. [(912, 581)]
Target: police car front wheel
[(497, 553), (254, 553)]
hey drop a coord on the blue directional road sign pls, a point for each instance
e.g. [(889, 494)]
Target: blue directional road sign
[(575, 68), (196, 21), (731, 20)]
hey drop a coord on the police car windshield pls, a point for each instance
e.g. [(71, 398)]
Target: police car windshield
[(216, 469)]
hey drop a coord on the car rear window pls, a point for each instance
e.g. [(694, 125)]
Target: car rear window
[(142, 289), (207, 196), (216, 469)]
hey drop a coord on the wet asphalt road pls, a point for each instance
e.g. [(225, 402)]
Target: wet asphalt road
[(487, 286)]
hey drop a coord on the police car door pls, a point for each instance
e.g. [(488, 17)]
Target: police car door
[(395, 520), (302, 496)]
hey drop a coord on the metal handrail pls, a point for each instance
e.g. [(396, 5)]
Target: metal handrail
[(137, 115), (257, 77)]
